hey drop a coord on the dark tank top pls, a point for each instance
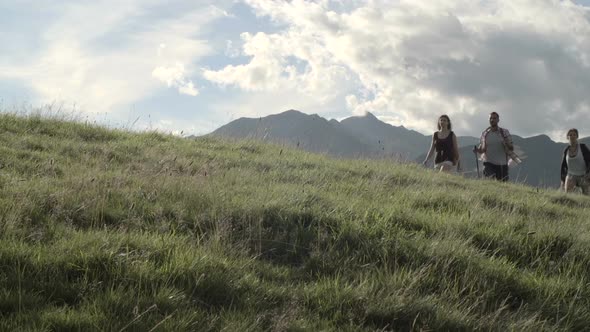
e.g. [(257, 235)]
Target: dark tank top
[(444, 148)]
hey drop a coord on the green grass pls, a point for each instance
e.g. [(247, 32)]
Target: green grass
[(112, 230)]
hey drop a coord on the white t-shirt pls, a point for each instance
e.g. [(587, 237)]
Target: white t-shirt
[(576, 165), (495, 152)]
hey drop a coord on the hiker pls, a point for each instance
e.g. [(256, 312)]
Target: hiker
[(575, 165), (444, 142), (495, 147)]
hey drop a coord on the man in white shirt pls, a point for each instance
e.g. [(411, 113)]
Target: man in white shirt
[(495, 147)]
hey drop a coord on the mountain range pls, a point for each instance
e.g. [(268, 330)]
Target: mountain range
[(368, 137), (354, 137)]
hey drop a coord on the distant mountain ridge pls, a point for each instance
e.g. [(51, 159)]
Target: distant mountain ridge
[(354, 137), (310, 132), (368, 137)]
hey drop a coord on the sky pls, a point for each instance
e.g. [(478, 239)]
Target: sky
[(189, 67)]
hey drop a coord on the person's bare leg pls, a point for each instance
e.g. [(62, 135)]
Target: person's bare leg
[(570, 184), (585, 186), (446, 168)]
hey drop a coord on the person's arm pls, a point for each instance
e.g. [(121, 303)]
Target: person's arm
[(564, 167), (431, 150), (586, 155), (508, 140), (481, 147), (456, 150)]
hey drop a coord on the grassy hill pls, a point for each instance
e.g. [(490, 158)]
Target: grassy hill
[(110, 230)]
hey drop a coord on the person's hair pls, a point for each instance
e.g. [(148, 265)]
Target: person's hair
[(573, 130), (438, 121), (496, 114)]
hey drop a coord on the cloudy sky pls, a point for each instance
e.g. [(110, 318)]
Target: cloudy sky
[(192, 66)]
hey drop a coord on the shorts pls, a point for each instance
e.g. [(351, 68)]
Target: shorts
[(579, 181), (499, 172)]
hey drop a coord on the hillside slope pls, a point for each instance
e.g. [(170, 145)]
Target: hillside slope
[(110, 230)]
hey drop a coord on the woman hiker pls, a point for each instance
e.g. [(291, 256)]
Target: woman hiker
[(575, 164), (444, 142)]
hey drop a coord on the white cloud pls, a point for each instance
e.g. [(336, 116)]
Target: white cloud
[(285, 61), (174, 76), (188, 89), (102, 55), (414, 60), (230, 50)]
